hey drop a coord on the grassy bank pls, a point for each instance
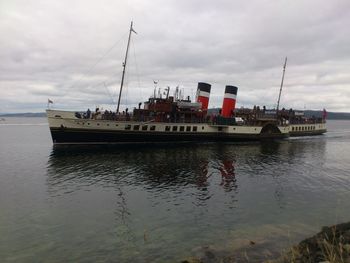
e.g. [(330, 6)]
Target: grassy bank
[(331, 245)]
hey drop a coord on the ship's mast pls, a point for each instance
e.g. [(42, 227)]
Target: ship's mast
[(124, 66), (279, 95)]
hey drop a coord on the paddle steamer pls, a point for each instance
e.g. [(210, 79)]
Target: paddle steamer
[(174, 119)]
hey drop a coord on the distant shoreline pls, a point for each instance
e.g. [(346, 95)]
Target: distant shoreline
[(26, 114), (330, 115)]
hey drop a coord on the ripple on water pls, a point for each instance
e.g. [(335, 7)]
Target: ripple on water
[(159, 203)]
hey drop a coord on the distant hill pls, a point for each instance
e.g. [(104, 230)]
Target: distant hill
[(26, 114), (330, 115), (309, 113)]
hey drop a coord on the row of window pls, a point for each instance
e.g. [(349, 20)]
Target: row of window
[(153, 127), (303, 128), (188, 128), (166, 128), (88, 123)]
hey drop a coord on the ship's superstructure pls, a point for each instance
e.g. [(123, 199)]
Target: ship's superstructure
[(171, 119)]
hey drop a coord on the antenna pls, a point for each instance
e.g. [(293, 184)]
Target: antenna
[(155, 88), (167, 92), (176, 93), (279, 95)]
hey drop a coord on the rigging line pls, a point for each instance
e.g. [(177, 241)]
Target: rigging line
[(99, 60), (137, 71), (110, 95), (124, 98), (126, 90), (94, 65), (167, 80), (96, 85), (113, 92)]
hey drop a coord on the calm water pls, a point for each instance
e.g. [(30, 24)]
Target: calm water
[(164, 203)]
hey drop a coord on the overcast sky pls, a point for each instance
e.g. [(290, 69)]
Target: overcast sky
[(71, 51)]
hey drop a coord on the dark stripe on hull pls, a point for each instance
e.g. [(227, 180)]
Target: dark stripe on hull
[(102, 136), (307, 133)]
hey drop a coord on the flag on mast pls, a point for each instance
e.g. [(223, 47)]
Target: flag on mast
[(48, 103), (324, 114)]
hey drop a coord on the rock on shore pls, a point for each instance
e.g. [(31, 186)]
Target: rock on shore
[(332, 245)]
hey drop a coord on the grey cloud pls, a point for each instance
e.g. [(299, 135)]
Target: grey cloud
[(48, 49)]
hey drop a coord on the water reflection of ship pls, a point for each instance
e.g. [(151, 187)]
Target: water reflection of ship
[(228, 175), (169, 167), (160, 171), (177, 170)]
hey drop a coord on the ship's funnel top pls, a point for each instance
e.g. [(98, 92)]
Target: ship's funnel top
[(203, 94), (229, 103), (231, 90)]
